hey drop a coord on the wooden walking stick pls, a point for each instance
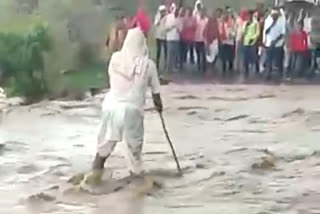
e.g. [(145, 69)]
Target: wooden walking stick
[(170, 143)]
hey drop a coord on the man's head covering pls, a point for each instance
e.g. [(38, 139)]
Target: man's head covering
[(274, 11), (132, 59), (162, 8), (142, 21)]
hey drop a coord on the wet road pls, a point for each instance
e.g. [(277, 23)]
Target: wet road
[(244, 149)]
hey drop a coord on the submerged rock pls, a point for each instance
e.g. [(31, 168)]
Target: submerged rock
[(2, 146), (41, 197), (265, 163), (187, 97), (239, 117), (298, 111)]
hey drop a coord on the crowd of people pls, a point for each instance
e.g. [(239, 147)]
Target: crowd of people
[(261, 42)]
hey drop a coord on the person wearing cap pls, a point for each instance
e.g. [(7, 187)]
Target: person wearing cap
[(160, 34), (273, 39)]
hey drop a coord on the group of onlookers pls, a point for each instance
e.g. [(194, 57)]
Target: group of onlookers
[(259, 40)]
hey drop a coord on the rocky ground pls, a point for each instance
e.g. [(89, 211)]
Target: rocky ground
[(243, 148)]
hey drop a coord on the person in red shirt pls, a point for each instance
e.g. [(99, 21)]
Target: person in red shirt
[(298, 46), (187, 36)]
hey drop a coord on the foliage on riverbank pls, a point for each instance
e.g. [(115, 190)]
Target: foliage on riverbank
[(22, 60)]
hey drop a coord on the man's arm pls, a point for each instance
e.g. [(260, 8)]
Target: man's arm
[(157, 102), (158, 19), (154, 84)]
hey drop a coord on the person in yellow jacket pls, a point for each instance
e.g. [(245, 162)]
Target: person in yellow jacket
[(251, 35)]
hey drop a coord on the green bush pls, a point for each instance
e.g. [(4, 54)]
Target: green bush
[(21, 59)]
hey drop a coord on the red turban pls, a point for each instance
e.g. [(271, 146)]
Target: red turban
[(142, 20)]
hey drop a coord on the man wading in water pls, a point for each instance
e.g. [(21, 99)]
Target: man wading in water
[(131, 72)]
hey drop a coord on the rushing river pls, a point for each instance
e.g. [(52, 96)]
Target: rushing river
[(244, 149)]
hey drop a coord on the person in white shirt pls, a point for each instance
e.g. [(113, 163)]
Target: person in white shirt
[(131, 73), (173, 28), (273, 39), (160, 34)]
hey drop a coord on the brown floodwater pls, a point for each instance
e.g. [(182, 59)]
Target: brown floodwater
[(243, 148)]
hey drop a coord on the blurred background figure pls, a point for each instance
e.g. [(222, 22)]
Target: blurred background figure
[(188, 36), (212, 40), (160, 34), (251, 34), (227, 30), (240, 26), (200, 40), (274, 38), (116, 36), (181, 18), (173, 29), (298, 47), (198, 6)]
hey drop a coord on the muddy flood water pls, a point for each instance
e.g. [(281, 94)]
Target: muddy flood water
[(243, 149)]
